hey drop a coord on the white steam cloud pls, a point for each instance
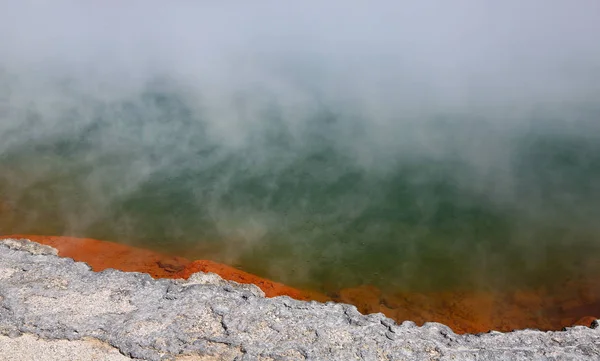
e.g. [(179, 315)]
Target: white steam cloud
[(262, 110)]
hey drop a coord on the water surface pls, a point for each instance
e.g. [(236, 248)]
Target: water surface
[(453, 200)]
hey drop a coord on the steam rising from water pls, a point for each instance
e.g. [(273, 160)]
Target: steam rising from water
[(402, 145)]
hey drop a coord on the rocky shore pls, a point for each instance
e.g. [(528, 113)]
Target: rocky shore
[(64, 310), (101, 255), (464, 311)]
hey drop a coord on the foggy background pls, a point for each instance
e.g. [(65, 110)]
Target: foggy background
[(401, 144)]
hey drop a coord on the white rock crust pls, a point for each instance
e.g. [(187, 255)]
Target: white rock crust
[(208, 318)]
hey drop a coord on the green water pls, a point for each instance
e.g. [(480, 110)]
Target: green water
[(451, 201)]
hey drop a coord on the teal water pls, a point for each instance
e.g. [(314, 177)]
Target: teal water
[(336, 199)]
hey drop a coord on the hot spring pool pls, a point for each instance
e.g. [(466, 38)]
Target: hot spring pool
[(398, 147), (449, 203)]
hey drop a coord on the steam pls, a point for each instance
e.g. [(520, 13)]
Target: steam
[(421, 141)]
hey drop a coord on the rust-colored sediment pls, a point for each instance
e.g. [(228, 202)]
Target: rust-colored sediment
[(101, 255), (577, 303), (478, 311)]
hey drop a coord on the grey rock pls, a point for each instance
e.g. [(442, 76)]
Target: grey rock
[(31, 247), (206, 317)]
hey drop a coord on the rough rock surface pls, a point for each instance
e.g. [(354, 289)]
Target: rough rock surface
[(30, 347), (206, 318)]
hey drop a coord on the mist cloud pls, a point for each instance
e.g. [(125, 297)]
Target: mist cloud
[(257, 122)]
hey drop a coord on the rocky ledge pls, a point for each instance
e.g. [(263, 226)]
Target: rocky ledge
[(56, 308)]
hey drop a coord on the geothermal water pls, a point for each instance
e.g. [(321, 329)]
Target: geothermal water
[(305, 211), (410, 147)]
